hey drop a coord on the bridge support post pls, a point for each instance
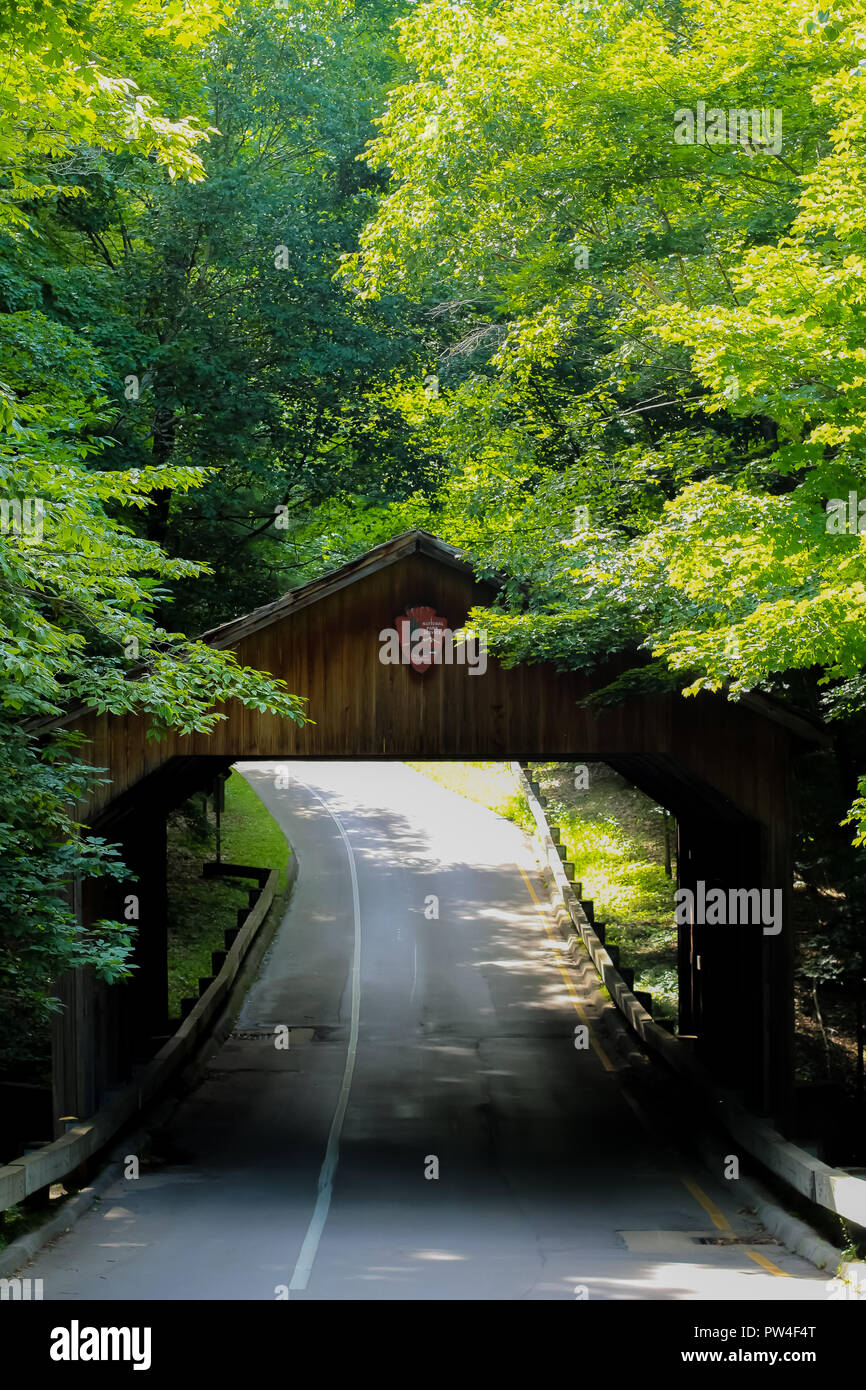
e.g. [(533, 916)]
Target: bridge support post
[(777, 976), (74, 1040), (145, 853), (736, 979), (104, 1028)]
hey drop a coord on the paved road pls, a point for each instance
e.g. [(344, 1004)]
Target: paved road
[(417, 1044)]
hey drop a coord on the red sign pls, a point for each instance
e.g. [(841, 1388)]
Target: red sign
[(421, 637)]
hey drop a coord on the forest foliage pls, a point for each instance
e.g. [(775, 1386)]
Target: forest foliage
[(576, 286)]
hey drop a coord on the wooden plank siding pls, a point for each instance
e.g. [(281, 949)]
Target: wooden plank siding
[(328, 651)]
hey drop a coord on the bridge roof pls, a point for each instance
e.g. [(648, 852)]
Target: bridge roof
[(415, 542)]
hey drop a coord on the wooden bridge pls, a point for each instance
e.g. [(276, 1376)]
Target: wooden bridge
[(721, 768)]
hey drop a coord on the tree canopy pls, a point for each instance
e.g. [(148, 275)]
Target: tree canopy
[(663, 314)]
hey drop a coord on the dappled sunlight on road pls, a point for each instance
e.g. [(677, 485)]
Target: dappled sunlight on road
[(485, 1151)]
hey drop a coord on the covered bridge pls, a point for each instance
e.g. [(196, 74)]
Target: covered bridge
[(721, 768)]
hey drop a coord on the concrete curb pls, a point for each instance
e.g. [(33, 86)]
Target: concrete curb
[(21, 1251), (794, 1233), (791, 1231)]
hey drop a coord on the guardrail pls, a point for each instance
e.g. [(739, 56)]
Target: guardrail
[(839, 1192), (34, 1171)]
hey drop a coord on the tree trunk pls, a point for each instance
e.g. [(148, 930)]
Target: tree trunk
[(164, 431)]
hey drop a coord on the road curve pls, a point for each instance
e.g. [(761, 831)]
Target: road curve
[(431, 1131)]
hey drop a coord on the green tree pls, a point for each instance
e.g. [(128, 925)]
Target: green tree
[(676, 311), (78, 589)]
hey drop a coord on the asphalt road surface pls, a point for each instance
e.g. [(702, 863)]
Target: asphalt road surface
[(431, 1131)]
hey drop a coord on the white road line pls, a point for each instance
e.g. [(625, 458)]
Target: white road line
[(309, 1249), (414, 973)]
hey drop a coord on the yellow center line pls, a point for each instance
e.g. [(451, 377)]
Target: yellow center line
[(767, 1264), (575, 999), (721, 1222), (718, 1218)]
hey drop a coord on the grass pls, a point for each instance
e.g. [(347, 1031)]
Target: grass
[(20, 1219), (13, 1223), (200, 910), (615, 839)]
